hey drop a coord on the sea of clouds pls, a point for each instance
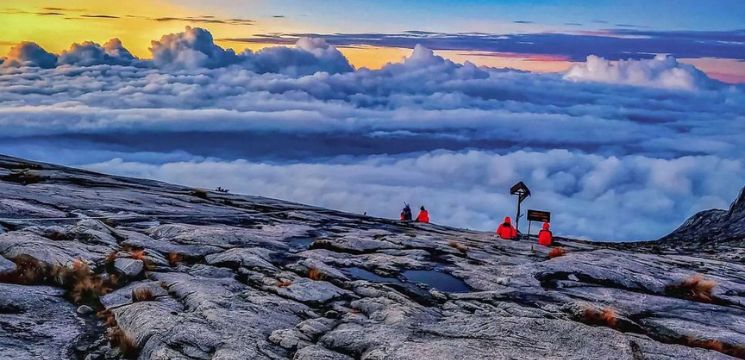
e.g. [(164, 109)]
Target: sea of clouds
[(616, 150)]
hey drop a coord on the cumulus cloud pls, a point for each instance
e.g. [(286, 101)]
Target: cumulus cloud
[(29, 54), (613, 162), (661, 72), (309, 56), (193, 48), (89, 53)]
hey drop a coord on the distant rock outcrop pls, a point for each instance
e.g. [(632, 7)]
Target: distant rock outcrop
[(101, 267), (714, 225)]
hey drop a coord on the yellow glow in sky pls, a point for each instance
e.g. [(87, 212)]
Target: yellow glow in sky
[(55, 25), (76, 21)]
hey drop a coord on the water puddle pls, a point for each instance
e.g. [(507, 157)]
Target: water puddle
[(362, 274), (431, 278), (438, 280), (300, 243)]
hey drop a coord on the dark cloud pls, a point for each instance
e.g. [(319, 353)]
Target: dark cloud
[(99, 16), (90, 53), (62, 9), (49, 13), (206, 20), (611, 44), (29, 54), (522, 22)]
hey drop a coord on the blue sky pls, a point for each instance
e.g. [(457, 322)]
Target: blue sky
[(475, 15)]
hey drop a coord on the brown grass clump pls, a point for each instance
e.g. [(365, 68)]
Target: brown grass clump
[(83, 286), (127, 346), (556, 252), (107, 317), (111, 257), (24, 177), (283, 283), (28, 271), (458, 246), (137, 254), (694, 287), (709, 344), (142, 294), (737, 351), (315, 274), (200, 193), (88, 290), (174, 258), (603, 317)]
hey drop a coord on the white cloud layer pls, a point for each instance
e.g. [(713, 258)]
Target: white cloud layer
[(605, 198), (661, 72), (612, 162)]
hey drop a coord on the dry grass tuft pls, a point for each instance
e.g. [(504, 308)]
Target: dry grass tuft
[(694, 287), (200, 193), (24, 177), (283, 283), (458, 246), (28, 271), (604, 317), (142, 294), (315, 274), (556, 252), (107, 317), (174, 258), (138, 254), (111, 257), (709, 344), (88, 290), (127, 346)]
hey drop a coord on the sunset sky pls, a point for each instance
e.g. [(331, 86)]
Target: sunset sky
[(623, 117), (242, 24)]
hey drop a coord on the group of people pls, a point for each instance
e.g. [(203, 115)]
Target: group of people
[(508, 232), (505, 231), (423, 216)]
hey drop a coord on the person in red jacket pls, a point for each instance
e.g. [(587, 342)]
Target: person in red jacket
[(423, 216), (506, 230), (545, 237)]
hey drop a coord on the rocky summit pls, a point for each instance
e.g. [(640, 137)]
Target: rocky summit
[(102, 267)]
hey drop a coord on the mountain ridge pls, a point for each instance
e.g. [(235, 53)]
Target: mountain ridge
[(129, 268)]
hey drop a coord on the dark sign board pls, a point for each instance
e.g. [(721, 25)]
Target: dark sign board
[(537, 215), (521, 190)]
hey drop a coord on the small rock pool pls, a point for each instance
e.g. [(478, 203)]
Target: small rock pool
[(438, 280), (431, 278), (300, 243)]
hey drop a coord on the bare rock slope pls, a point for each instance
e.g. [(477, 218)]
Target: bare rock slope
[(101, 267)]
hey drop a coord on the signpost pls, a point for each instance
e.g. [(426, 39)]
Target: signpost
[(537, 215), (522, 193)]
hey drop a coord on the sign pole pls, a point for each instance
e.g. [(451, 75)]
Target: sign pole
[(517, 217), (530, 223), (522, 193)]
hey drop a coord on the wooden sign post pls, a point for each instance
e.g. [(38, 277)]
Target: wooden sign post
[(522, 193), (537, 215)]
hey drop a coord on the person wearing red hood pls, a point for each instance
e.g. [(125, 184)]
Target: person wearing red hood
[(545, 237), (506, 230), (423, 216)]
